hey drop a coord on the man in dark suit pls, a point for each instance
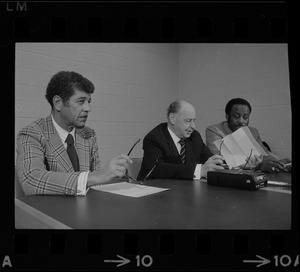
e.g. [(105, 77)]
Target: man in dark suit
[(176, 148)]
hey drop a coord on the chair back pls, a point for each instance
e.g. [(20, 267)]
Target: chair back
[(134, 168), (18, 188)]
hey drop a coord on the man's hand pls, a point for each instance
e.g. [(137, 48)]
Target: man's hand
[(252, 162), (115, 168), (271, 165), (215, 162), (287, 164)]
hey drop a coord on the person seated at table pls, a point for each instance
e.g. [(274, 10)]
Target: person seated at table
[(59, 154), (176, 149), (237, 112)]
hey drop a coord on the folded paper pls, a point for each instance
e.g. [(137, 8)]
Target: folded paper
[(237, 147)]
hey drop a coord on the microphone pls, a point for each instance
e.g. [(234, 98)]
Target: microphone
[(156, 163), (142, 182)]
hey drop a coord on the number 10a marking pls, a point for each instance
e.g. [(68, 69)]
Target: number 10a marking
[(146, 260), (285, 260)]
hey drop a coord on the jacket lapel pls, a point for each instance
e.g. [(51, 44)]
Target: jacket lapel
[(80, 149), (170, 142), (58, 149)]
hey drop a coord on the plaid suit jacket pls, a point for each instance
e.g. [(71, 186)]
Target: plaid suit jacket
[(43, 164)]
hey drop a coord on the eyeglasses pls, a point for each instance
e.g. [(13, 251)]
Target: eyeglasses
[(248, 159), (133, 180), (133, 146), (126, 173)]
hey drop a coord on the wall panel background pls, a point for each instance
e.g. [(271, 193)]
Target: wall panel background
[(212, 74), (135, 83)]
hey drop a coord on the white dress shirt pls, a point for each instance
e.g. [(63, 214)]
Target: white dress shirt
[(82, 179), (197, 172)]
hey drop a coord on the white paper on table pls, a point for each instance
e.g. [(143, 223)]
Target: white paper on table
[(236, 147), (128, 189)]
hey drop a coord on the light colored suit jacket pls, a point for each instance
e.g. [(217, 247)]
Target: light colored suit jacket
[(219, 131), (43, 164)]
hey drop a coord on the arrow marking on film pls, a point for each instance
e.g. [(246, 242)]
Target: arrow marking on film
[(121, 262), (260, 262)]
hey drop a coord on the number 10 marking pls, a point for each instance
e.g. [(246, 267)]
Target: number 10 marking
[(145, 260)]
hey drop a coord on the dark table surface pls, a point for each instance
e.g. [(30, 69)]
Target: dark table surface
[(187, 205)]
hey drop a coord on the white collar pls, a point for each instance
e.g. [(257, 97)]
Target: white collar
[(175, 138), (63, 134)]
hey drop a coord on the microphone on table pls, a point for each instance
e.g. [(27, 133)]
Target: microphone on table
[(156, 163)]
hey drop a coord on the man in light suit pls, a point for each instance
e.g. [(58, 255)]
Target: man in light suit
[(45, 164), (176, 148), (237, 113)]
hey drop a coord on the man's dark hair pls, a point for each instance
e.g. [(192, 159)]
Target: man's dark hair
[(236, 101), (173, 108), (64, 84)]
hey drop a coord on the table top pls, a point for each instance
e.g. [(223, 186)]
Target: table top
[(187, 205)]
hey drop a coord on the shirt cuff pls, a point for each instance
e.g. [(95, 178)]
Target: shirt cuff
[(197, 173), (81, 184)]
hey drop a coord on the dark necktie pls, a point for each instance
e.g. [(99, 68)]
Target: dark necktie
[(182, 150), (72, 152)]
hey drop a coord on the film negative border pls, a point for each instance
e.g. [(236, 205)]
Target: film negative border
[(136, 250), (188, 250), (144, 22)]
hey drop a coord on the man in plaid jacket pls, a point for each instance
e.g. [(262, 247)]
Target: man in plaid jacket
[(43, 164)]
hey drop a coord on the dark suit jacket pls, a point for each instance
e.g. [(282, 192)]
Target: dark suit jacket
[(159, 143)]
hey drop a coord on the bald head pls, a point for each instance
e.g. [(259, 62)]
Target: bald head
[(178, 105), (181, 118)]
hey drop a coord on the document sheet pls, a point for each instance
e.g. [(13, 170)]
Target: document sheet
[(128, 189), (237, 147)]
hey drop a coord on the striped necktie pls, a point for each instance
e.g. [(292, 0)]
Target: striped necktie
[(72, 152), (182, 150)]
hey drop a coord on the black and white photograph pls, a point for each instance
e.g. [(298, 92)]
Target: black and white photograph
[(143, 136)]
